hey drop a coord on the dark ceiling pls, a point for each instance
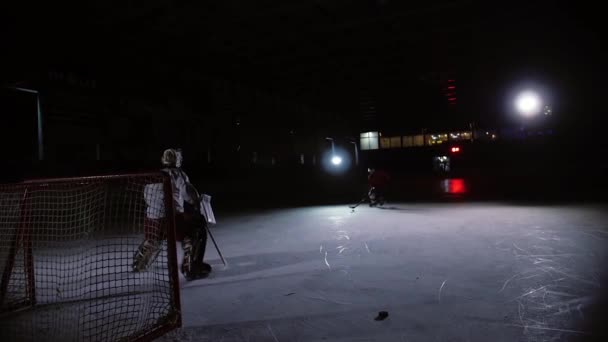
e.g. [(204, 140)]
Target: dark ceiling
[(319, 51)]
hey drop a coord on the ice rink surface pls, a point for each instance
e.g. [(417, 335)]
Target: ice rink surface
[(444, 272)]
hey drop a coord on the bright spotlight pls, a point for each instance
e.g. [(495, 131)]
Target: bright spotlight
[(336, 160), (528, 103)]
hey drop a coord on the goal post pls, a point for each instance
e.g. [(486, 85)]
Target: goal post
[(22, 292), (67, 248)]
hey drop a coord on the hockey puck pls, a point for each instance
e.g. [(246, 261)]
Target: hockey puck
[(382, 315)]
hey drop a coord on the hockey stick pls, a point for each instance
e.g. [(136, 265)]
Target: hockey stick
[(215, 244), (358, 204), (207, 212), (361, 201)]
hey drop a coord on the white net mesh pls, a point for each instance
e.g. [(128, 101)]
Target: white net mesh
[(67, 255)]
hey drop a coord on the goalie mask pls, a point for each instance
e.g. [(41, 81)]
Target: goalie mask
[(172, 157)]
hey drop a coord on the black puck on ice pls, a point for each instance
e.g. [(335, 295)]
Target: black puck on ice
[(382, 315)]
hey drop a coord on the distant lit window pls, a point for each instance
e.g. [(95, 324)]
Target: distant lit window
[(408, 141), (385, 142), (369, 141), (436, 139), (460, 135), (390, 142), (396, 142), (418, 140)]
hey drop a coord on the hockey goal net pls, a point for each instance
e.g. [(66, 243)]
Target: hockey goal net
[(66, 254)]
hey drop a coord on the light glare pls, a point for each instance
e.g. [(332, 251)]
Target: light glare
[(528, 103)]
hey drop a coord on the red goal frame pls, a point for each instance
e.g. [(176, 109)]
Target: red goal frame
[(21, 239)]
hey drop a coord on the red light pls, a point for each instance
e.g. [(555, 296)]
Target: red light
[(452, 99), (454, 186), (450, 81), (455, 149), (451, 87), (457, 186)]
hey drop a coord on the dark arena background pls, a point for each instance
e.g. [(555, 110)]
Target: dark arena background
[(486, 122)]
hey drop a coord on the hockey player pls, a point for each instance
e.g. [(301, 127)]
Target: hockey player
[(377, 181), (189, 223)]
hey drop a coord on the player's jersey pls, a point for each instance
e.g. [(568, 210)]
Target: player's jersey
[(179, 180), (378, 179)]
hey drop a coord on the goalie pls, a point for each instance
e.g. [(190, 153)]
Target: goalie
[(190, 225)]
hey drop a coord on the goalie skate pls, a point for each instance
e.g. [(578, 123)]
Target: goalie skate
[(193, 266)]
